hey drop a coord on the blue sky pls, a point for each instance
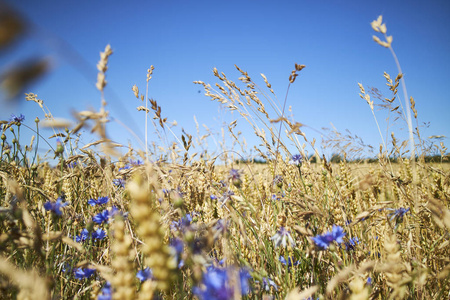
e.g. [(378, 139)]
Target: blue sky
[(185, 40)]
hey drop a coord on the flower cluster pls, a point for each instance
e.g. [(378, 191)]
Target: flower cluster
[(98, 234), (55, 207), (106, 215), (323, 241)]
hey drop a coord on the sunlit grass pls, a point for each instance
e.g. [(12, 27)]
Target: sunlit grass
[(168, 222)]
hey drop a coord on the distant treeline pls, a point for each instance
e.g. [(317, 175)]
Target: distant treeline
[(337, 158)]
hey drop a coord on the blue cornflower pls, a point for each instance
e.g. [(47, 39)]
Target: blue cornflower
[(176, 248), (17, 119), (136, 162), (84, 235), (289, 262), (216, 285), (398, 214), (66, 268), (183, 224), (81, 273), (213, 197), (119, 182), (235, 174), (101, 217), (99, 201), (106, 292), (296, 159), (282, 237), (55, 207), (114, 211), (267, 283), (323, 241), (350, 245), (144, 275), (369, 281), (99, 234)]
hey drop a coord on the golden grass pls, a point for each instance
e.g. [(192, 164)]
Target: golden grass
[(203, 228)]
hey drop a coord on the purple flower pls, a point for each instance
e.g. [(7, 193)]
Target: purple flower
[(183, 224), (106, 292), (84, 235), (216, 284), (289, 261), (144, 275), (177, 246), (99, 234), (101, 217), (282, 237), (267, 283), (296, 159), (398, 214), (99, 201), (235, 174), (81, 273), (17, 119), (119, 182), (55, 207), (350, 245), (323, 241)]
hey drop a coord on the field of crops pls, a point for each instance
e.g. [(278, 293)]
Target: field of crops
[(90, 223)]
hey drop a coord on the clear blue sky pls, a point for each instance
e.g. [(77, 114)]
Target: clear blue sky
[(185, 40)]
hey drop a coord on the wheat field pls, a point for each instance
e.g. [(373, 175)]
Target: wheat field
[(91, 222)]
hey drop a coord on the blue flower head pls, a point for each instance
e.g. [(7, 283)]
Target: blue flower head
[(99, 234), (101, 217), (106, 292), (216, 284), (267, 283), (183, 224), (351, 244), (289, 262), (282, 237), (144, 275), (17, 119), (84, 235), (99, 201), (398, 214), (323, 241), (176, 248), (55, 207), (81, 273), (119, 182), (296, 159)]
